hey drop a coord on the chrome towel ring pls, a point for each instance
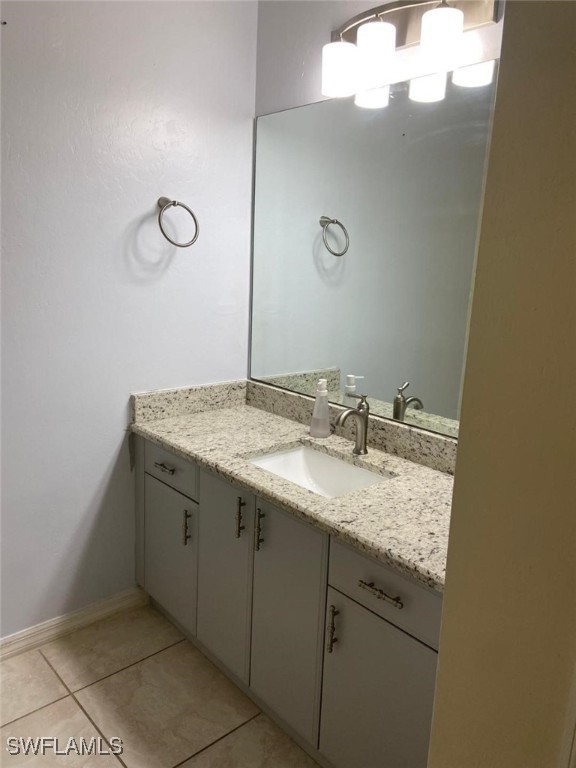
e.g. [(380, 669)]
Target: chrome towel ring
[(325, 222), (163, 204)]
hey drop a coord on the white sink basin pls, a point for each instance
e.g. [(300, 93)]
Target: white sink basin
[(317, 471)]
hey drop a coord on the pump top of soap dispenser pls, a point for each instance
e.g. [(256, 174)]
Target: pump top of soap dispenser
[(351, 380), (322, 387)]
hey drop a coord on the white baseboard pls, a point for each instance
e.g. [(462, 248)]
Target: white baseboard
[(49, 630)]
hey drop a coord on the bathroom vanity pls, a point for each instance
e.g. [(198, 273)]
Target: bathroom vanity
[(325, 610)]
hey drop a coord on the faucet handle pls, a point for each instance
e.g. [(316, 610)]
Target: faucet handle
[(403, 387), (363, 405)]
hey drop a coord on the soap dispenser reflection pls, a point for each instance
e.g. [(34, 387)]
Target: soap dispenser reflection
[(350, 386)]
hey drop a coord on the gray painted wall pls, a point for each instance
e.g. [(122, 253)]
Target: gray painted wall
[(291, 34), (106, 107)]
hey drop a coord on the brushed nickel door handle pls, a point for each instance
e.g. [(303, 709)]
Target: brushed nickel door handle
[(186, 535), (239, 527), (332, 639), (380, 594), (164, 468), (258, 540)]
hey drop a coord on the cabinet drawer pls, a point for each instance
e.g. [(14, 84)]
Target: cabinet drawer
[(371, 583), (173, 470)]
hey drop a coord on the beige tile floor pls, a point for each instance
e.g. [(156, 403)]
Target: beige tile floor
[(134, 677)]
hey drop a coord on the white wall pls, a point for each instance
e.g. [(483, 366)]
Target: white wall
[(106, 107), (406, 181)]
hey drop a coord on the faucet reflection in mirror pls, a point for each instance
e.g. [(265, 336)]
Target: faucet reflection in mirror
[(369, 66)]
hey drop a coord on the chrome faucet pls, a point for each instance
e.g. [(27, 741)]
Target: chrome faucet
[(361, 413), (401, 403)]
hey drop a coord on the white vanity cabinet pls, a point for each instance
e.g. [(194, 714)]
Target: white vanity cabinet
[(338, 646), (378, 682), (225, 533), (289, 593)]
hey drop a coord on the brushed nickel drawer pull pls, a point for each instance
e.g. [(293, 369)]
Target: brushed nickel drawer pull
[(258, 540), (239, 526), (186, 535), (163, 468), (332, 612), (380, 594)]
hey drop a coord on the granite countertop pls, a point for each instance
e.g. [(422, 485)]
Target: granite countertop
[(402, 521)]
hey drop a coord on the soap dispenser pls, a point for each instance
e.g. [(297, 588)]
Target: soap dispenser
[(320, 424)]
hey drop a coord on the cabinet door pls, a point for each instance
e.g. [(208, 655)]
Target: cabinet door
[(290, 574), (378, 691), (170, 551), (225, 572)]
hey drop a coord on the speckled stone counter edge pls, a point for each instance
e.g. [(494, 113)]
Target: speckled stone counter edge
[(425, 448), (165, 403), (305, 382)]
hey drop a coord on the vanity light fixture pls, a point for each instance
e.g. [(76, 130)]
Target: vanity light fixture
[(440, 36), (376, 43), (363, 58), (339, 69)]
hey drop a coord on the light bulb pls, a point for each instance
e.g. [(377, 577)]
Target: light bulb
[(428, 88), (376, 42), (374, 98), (339, 69), (475, 75), (440, 35)]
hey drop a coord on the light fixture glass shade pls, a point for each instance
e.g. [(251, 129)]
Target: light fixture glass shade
[(339, 69), (376, 42), (440, 35), (375, 98), (428, 88), (475, 75)]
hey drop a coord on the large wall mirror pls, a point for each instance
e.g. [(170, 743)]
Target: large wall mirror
[(406, 183)]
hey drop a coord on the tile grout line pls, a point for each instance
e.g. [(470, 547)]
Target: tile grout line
[(199, 752), (72, 694), (99, 731), (105, 677), (38, 709), (56, 673), (79, 705)]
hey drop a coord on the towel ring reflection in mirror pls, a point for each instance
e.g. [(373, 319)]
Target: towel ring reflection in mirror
[(163, 204), (325, 222)]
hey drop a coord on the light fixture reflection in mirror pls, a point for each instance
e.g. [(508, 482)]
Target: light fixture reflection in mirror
[(475, 75), (377, 98), (429, 88)]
